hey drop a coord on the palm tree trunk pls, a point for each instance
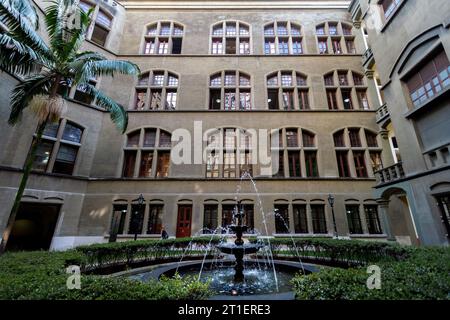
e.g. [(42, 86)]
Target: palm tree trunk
[(23, 183)]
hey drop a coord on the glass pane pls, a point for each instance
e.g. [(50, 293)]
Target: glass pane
[(133, 139), (152, 30), (104, 19), (172, 81), (165, 139), (149, 137), (272, 81), (72, 133), (42, 157), (51, 129), (165, 29), (244, 80), (216, 81), (177, 30), (158, 79)]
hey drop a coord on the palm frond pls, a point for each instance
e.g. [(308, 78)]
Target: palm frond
[(22, 30), (64, 39), (16, 57), (118, 114), (24, 92), (94, 69), (26, 9)]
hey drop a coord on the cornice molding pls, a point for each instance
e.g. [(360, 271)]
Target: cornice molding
[(233, 5)]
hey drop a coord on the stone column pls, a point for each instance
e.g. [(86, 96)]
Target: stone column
[(383, 211)]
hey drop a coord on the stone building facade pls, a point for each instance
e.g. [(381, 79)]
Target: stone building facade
[(290, 68), (408, 52)]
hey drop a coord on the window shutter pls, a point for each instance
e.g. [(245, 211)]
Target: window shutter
[(428, 72), (414, 82), (441, 61)]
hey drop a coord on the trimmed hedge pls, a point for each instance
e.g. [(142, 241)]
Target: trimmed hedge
[(42, 275), (349, 252), (128, 252), (424, 274)]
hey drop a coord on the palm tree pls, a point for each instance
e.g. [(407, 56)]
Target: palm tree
[(61, 65)]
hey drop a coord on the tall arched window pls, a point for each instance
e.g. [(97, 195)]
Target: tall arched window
[(335, 38), (231, 37), (229, 153), (297, 154), (163, 37), (57, 152), (283, 38), (346, 90), (230, 90), (287, 90), (361, 146), (147, 154), (156, 90), (101, 23)]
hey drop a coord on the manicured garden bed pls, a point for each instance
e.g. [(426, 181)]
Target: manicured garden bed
[(406, 273)]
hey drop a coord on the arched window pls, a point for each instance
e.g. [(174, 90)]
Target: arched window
[(297, 154), (337, 36), (163, 37), (287, 90), (101, 21), (231, 37), (57, 152), (230, 90), (147, 154), (156, 90), (348, 85), (229, 153), (359, 145), (283, 38)]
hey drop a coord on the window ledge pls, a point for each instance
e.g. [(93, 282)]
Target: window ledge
[(368, 236), (419, 109)]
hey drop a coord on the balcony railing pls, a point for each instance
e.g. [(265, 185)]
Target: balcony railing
[(382, 113), (368, 58), (390, 174)]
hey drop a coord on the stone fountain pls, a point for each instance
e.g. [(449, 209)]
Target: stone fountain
[(238, 248)]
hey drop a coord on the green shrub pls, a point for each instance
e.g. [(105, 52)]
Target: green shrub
[(42, 275), (425, 274), (350, 252), (98, 255)]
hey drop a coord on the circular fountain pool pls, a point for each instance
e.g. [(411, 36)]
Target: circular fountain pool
[(259, 279)]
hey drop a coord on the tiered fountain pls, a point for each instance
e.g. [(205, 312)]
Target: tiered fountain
[(239, 248)]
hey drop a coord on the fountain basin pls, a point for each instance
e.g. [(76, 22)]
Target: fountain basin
[(259, 278), (246, 248)]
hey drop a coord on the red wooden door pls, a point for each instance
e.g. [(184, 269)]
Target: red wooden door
[(184, 221)]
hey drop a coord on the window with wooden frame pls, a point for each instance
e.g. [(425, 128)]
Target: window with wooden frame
[(101, 22), (335, 35), (156, 90), (337, 83), (163, 37), (229, 153), (147, 154), (231, 37), (430, 79), (283, 38), (287, 90), (58, 150), (230, 90), (297, 149)]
